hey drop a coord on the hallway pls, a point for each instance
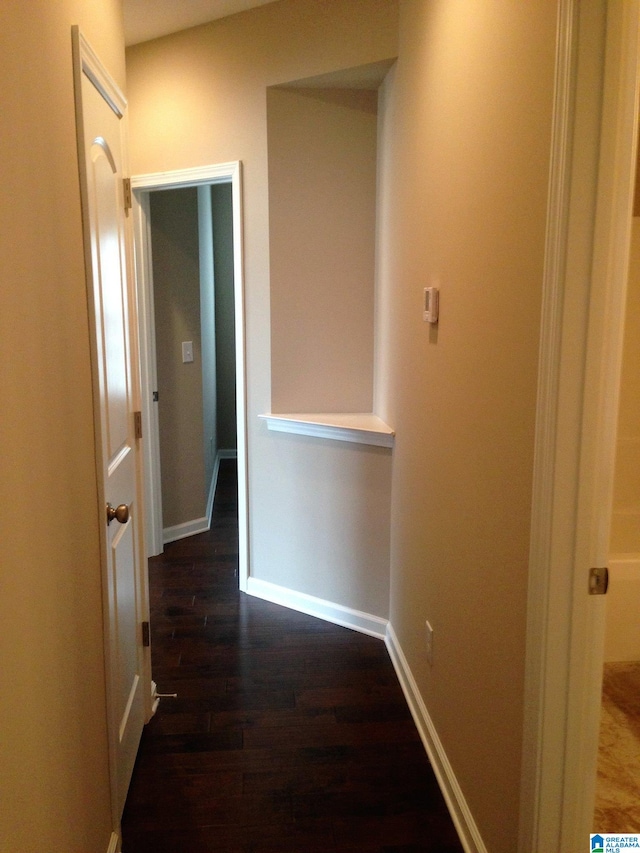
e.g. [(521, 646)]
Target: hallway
[(288, 733)]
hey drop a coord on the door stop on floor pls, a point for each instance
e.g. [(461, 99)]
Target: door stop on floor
[(156, 697)]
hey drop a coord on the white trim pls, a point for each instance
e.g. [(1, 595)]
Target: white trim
[(459, 810), (141, 216), (585, 277), (536, 760), (356, 428), (96, 72), (611, 243), (365, 623), (186, 528), (216, 173), (114, 843)]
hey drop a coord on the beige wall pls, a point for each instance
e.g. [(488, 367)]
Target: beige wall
[(176, 291), (322, 207), (464, 163), (200, 97), (625, 530), (53, 753)]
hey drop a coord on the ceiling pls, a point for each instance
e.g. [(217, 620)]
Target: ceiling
[(149, 19)]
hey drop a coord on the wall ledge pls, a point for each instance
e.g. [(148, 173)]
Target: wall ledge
[(358, 428)]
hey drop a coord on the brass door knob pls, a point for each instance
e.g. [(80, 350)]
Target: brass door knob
[(120, 513)]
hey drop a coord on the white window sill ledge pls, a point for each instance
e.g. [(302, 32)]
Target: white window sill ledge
[(361, 429)]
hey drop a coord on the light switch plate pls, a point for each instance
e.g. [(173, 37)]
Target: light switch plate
[(430, 305), (187, 351)]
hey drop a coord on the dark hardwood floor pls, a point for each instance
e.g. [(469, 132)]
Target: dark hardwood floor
[(288, 733)]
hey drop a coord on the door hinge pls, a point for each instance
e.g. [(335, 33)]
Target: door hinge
[(126, 183), (146, 634), (156, 397), (137, 424), (598, 581)]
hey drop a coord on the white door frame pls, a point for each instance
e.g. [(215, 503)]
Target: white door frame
[(141, 186), (588, 235)]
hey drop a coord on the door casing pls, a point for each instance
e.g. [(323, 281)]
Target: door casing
[(142, 186), (586, 269)]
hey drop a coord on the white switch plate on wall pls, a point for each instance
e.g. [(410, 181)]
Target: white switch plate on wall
[(430, 306), (187, 351)]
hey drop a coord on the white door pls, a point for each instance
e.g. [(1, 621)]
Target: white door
[(101, 135)]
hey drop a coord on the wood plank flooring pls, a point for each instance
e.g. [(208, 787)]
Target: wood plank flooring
[(289, 734)]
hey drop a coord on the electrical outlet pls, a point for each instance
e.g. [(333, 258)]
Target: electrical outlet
[(429, 646)]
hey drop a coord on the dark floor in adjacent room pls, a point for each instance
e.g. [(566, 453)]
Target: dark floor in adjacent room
[(289, 734)]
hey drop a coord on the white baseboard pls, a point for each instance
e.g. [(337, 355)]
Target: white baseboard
[(199, 525), (187, 528), (365, 623), (375, 626), (114, 843), (456, 803)]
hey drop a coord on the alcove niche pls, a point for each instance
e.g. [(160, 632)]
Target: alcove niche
[(322, 156)]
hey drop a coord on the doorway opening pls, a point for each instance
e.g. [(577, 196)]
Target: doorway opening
[(212, 193), (618, 778)]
